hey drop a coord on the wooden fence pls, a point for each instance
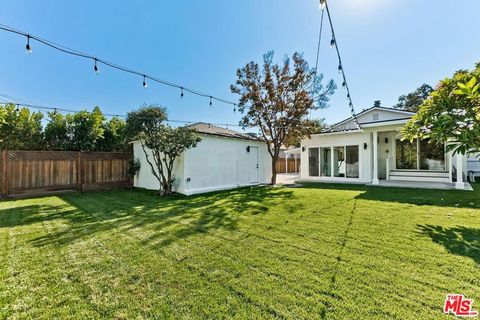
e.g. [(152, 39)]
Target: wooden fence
[(37, 172), (290, 164)]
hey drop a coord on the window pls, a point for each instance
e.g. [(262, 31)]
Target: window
[(432, 156), (406, 154), (352, 161), (313, 160), (326, 162), (339, 162)]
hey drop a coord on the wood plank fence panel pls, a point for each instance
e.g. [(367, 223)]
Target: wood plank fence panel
[(280, 165), (44, 171)]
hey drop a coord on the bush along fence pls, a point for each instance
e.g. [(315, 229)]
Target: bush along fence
[(39, 172)]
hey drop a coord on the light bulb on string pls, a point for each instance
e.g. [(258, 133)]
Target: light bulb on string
[(323, 4), (332, 43), (28, 49), (211, 103), (234, 108), (181, 92), (145, 82), (344, 84), (95, 67), (340, 68)]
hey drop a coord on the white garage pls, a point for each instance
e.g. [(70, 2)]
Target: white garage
[(224, 159)]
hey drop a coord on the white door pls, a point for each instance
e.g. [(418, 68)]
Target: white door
[(253, 165)]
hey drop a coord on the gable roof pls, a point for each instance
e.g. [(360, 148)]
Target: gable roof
[(210, 129), (403, 115)]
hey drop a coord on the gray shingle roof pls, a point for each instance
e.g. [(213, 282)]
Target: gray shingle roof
[(207, 128)]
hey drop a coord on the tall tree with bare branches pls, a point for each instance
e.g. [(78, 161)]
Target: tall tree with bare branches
[(278, 99)]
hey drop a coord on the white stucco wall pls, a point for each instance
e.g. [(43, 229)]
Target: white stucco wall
[(224, 163), (337, 140), (145, 178), (216, 163)]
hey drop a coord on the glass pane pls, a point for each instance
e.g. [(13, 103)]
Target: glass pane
[(326, 162), (406, 154), (313, 162), (352, 162), (432, 156), (339, 162)]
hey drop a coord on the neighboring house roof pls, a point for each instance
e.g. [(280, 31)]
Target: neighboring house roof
[(210, 129), (403, 116)]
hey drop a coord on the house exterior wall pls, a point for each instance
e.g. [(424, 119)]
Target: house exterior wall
[(337, 140), (145, 178), (216, 163), (223, 163)]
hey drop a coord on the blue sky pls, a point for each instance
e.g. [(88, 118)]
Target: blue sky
[(388, 48)]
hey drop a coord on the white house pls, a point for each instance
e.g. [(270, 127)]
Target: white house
[(374, 153), (224, 159)]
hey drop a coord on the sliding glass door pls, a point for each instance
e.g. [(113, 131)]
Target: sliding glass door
[(313, 161), (419, 155), (432, 156), (406, 154), (326, 162), (352, 161)]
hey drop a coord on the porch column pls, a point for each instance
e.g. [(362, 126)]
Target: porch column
[(450, 164), (295, 158), (286, 162), (375, 158), (459, 184)]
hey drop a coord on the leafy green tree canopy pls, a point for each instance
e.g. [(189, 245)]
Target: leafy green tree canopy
[(277, 99), (20, 129), (451, 113), (413, 100)]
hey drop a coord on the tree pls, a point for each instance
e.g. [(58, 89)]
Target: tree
[(57, 132), (114, 138), (278, 99), (318, 125), (20, 129), (451, 114), (413, 100), (147, 125), (86, 129)]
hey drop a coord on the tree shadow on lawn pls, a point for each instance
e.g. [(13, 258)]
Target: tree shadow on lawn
[(163, 219), (461, 241), (441, 198)]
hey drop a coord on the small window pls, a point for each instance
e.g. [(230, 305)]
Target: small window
[(376, 116)]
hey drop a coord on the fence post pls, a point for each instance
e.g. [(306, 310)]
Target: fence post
[(5, 174), (79, 171)]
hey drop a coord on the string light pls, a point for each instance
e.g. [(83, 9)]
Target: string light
[(95, 67), (181, 92), (77, 53), (144, 82), (28, 49), (211, 101), (323, 4), (332, 43)]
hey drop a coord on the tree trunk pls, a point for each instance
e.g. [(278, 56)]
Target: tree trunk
[(274, 171)]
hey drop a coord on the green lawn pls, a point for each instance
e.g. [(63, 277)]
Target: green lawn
[(321, 251)]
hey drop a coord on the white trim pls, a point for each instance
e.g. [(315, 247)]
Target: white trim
[(383, 123), (410, 113), (219, 188)]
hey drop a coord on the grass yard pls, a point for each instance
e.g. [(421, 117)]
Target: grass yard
[(321, 251)]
